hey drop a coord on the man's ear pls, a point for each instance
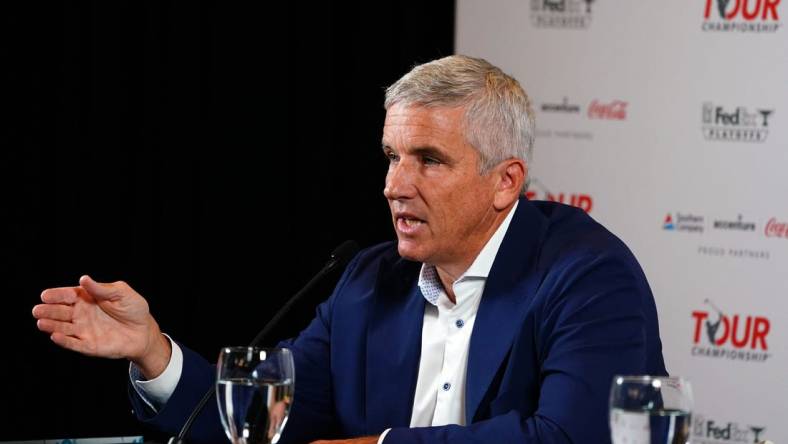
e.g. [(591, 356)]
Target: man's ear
[(511, 177)]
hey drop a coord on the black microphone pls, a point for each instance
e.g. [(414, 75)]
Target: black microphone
[(339, 258)]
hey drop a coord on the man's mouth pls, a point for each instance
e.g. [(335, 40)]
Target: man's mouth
[(411, 222), (408, 224)]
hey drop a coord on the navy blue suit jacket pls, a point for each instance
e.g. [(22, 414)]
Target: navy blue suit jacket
[(565, 307)]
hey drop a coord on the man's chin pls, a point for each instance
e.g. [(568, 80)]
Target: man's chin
[(409, 250)]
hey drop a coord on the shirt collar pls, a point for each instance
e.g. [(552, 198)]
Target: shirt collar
[(429, 282)]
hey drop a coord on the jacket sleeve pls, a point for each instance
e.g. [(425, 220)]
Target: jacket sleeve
[(197, 377), (591, 327), (312, 412), (312, 415)]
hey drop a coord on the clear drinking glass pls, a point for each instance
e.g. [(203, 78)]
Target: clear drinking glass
[(254, 388), (650, 410)]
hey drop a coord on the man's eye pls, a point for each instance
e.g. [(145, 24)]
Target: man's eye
[(430, 161), (391, 156)]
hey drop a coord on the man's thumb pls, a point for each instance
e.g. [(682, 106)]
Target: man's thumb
[(100, 290)]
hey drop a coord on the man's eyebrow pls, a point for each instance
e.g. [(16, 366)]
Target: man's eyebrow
[(426, 150)]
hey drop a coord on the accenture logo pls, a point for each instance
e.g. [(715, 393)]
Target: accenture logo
[(738, 225), (733, 337), (706, 430), (573, 14), (563, 107), (745, 16), (735, 124), (687, 222)]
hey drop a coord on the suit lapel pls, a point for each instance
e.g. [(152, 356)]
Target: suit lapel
[(394, 347), (510, 285)]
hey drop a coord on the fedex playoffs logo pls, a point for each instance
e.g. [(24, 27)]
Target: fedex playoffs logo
[(741, 15), (732, 336), (572, 14)]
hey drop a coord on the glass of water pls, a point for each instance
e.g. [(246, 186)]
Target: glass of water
[(650, 410), (254, 388)]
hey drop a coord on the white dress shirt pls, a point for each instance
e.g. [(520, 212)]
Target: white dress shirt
[(445, 340)]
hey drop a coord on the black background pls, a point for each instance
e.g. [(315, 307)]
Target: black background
[(209, 154)]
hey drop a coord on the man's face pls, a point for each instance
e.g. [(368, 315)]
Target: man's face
[(442, 208)]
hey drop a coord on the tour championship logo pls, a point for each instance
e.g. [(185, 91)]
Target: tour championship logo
[(734, 337), (746, 16), (538, 191), (686, 222), (735, 124), (707, 430), (572, 14)]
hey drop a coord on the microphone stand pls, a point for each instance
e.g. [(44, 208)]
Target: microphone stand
[(341, 255)]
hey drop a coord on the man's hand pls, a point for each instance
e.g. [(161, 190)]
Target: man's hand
[(105, 320), (364, 440)]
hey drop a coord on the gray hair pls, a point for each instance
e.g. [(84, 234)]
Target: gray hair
[(499, 121)]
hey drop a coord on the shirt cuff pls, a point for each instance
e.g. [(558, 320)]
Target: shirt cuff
[(383, 435), (157, 391)]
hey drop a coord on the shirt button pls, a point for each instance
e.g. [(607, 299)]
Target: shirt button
[(459, 323), (446, 387)]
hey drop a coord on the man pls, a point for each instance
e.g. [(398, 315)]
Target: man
[(492, 320)]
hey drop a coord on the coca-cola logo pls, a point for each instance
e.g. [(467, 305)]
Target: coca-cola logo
[(741, 16), (615, 110), (775, 228)]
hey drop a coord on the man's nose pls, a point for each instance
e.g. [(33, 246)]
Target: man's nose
[(400, 181)]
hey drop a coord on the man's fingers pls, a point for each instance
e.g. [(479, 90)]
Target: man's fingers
[(63, 295), (50, 326), (101, 290), (56, 312), (69, 342)]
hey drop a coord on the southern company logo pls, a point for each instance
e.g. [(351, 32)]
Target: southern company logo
[(574, 14), (683, 222), (756, 16), (709, 431), (735, 124), (734, 337)]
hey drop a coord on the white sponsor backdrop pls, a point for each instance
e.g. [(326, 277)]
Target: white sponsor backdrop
[(676, 130)]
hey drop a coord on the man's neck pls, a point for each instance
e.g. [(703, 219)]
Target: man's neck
[(447, 281), (449, 273)]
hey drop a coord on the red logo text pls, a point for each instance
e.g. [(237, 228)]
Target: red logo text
[(582, 201), (776, 229), (615, 110), (737, 331), (746, 9)]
